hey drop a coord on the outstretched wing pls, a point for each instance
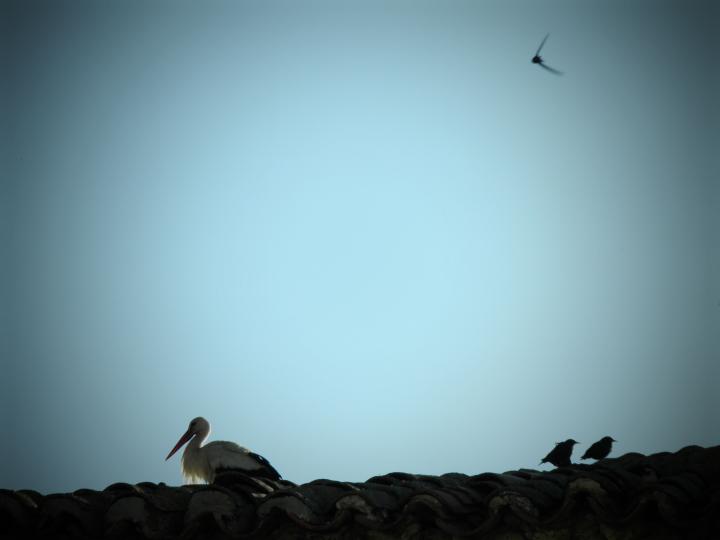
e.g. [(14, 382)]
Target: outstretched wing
[(542, 44), (551, 70)]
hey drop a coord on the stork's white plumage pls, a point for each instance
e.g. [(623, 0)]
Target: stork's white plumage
[(201, 463)]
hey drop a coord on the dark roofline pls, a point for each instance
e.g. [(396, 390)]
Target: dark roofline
[(665, 495)]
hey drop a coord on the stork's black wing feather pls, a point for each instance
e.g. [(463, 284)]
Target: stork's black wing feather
[(272, 472)]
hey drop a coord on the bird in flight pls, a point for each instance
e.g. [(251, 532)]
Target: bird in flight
[(537, 59)]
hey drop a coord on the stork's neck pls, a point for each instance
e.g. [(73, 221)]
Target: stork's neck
[(196, 442)]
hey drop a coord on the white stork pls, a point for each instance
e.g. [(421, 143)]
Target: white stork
[(201, 463)]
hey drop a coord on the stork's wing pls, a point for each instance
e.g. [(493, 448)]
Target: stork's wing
[(542, 44), (551, 70), (270, 471), (228, 455)]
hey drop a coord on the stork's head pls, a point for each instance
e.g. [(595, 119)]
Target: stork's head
[(198, 427)]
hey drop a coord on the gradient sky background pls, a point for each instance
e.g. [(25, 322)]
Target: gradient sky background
[(358, 237)]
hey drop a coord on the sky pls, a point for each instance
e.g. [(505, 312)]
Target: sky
[(357, 237)]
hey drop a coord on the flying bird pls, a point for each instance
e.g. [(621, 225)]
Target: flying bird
[(600, 449), (560, 455), (201, 463), (537, 59)]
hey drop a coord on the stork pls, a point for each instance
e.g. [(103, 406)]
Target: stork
[(201, 463)]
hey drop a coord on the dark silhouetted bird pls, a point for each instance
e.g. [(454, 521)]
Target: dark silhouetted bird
[(537, 59), (600, 449), (560, 455)]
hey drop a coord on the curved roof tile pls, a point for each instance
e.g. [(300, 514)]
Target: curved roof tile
[(673, 494)]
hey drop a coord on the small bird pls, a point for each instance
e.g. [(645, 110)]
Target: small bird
[(537, 59), (201, 463), (560, 455), (600, 449)]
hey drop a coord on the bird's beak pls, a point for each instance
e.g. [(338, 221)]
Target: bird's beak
[(185, 438)]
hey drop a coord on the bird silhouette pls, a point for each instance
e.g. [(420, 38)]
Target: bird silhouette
[(599, 449), (560, 455), (537, 59)]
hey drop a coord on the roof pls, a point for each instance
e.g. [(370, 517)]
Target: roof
[(665, 495)]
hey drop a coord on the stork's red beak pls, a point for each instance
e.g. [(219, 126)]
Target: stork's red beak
[(185, 438)]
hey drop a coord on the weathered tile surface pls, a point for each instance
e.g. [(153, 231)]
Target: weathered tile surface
[(664, 496)]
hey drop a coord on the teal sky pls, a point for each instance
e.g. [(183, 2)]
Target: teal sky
[(358, 237)]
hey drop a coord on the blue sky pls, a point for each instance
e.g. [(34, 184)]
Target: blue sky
[(358, 237)]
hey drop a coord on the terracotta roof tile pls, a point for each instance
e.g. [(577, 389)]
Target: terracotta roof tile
[(668, 495)]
